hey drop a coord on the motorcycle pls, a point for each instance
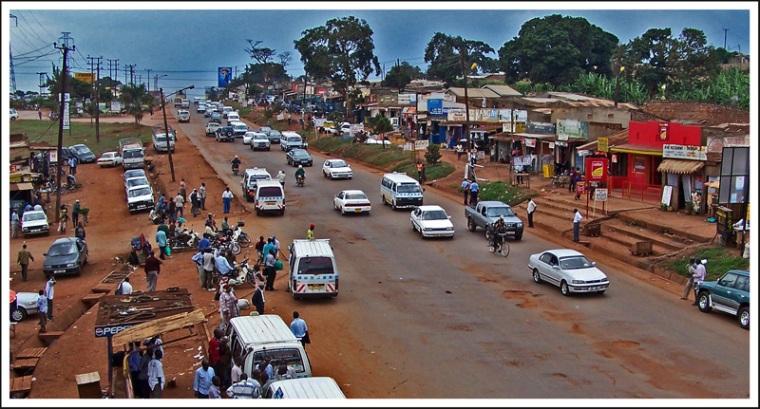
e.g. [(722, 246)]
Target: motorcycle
[(245, 274), (299, 181), (186, 239), (235, 169), (223, 242), (240, 237), (156, 217)]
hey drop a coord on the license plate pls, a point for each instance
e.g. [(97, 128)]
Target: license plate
[(358, 210), (316, 287), (271, 203), (141, 206), (59, 271)]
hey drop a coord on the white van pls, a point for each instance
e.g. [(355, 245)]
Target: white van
[(232, 116), (270, 197), (400, 190), (290, 140), (251, 339), (313, 271), (320, 387)]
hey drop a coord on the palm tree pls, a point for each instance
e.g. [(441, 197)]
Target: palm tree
[(136, 101)]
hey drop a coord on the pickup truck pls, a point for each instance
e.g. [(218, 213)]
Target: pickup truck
[(487, 212)]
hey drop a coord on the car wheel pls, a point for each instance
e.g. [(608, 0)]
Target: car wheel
[(518, 237), (471, 226), (385, 203), (19, 314), (744, 317), (536, 276), (342, 211), (703, 301), (564, 289)]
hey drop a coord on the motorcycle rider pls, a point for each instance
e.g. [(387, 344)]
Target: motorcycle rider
[(300, 173), (281, 177), (235, 165), (498, 231)]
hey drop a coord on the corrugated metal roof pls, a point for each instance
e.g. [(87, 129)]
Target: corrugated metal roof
[(473, 92), (680, 167), (503, 90), (313, 248), (321, 387), (262, 329), (614, 139)]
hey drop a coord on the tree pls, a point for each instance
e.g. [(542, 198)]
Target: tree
[(347, 45), (433, 154), (136, 101), (557, 49), (445, 55), (400, 75), (259, 54), (212, 94), (314, 56), (78, 89), (380, 126)]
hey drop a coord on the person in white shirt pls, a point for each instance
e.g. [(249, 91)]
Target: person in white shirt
[(577, 218), (49, 293), (235, 372), (700, 274), (125, 288), (531, 209), (244, 388), (156, 378), (227, 199)]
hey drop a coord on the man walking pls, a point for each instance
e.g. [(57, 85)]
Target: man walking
[(42, 306), (692, 269), (208, 269), (299, 328), (531, 209), (14, 223), (63, 218), (227, 199), (179, 202), (474, 190), (23, 260), (183, 189), (269, 270), (152, 268), (465, 186), (49, 293), (75, 213), (419, 171), (258, 299), (161, 240), (202, 195), (195, 203), (72, 165), (577, 218)]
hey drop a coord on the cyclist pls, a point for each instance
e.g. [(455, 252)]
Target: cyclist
[(498, 232)]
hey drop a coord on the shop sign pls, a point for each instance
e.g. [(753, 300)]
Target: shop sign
[(574, 129), (596, 169), (421, 145), (551, 145), (530, 142), (435, 106), (542, 128), (600, 194), (667, 192), (689, 152), (456, 115), (561, 143), (407, 99), (603, 144), (110, 330)]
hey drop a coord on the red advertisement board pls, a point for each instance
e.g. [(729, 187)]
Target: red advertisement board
[(596, 169)]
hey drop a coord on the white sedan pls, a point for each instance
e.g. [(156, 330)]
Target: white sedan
[(568, 269), (432, 221), (212, 127), (352, 201), (109, 159), (337, 169)]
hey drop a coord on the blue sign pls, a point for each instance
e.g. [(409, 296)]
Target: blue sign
[(435, 106), (224, 76)]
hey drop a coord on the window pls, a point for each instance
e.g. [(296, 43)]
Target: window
[(62, 249), (435, 215), (499, 211), (728, 280), (742, 283), (575, 263), (546, 258), (315, 265), (356, 196), (408, 188), (270, 191), (284, 356)]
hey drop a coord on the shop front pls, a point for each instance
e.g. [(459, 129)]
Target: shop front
[(683, 169)]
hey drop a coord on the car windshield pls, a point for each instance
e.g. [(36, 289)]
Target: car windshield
[(434, 215), (81, 149), (408, 188), (137, 182), (133, 154), (62, 249), (300, 154), (31, 216), (574, 263), (356, 196), (260, 137), (274, 132), (338, 164), (134, 173), (499, 211), (278, 357), (255, 178), (294, 139), (270, 191), (315, 265), (143, 191)]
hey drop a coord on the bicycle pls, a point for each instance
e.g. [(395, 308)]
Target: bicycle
[(501, 248)]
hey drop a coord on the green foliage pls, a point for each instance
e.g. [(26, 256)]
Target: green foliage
[(504, 192), (720, 260), (81, 132), (400, 75), (729, 87), (445, 55), (432, 172), (136, 101), (380, 124), (433, 153), (557, 49)]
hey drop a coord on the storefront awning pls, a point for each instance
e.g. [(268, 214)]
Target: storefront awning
[(680, 167), (15, 187), (636, 149)]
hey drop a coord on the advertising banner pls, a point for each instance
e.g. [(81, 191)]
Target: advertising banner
[(603, 144), (66, 113), (596, 169), (688, 152), (84, 77), (572, 129), (530, 142), (456, 115), (435, 106), (600, 194), (224, 76)]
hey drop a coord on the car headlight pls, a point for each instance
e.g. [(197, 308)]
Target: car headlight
[(578, 282), (71, 265), (518, 224)]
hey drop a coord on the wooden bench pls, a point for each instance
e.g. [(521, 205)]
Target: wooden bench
[(48, 337), (21, 386), (31, 353), (24, 366)]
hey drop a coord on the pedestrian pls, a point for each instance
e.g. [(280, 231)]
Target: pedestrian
[(310, 232), (222, 265), (269, 270), (577, 218), (75, 213), (142, 376), (202, 195), (195, 203), (203, 243), (531, 209), (208, 269), (419, 171), (14, 223), (573, 180), (228, 305), (23, 260), (225, 225), (214, 350), (133, 359), (300, 329), (156, 377), (203, 380), (692, 270), (49, 294), (465, 187), (179, 201), (39, 114), (79, 232), (63, 218), (245, 388), (125, 288), (152, 269), (42, 306), (700, 274), (133, 259), (258, 299), (236, 372), (267, 248), (73, 165), (214, 391), (183, 189), (171, 210), (474, 190), (162, 242), (260, 247), (460, 150), (227, 199), (276, 244)]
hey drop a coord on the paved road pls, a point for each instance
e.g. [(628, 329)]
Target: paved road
[(452, 320)]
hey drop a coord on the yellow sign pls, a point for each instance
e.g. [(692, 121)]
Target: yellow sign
[(598, 172), (84, 77), (603, 144)]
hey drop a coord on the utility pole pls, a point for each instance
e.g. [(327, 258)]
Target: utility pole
[(91, 61), (725, 37), (97, 101), (148, 81), (166, 126), (126, 67), (13, 71), (466, 126), (59, 165)]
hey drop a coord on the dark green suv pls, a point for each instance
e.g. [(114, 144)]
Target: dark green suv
[(730, 294)]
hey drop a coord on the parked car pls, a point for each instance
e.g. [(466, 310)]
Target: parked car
[(337, 169), (34, 222), (66, 255), (432, 221), (352, 201), (728, 294), (14, 114), (109, 159), (136, 181), (26, 305), (131, 173), (225, 133), (139, 197), (212, 127), (297, 157), (568, 269), (183, 115), (82, 153), (259, 141)]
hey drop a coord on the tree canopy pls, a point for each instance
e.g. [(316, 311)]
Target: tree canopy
[(557, 49), (400, 75), (445, 54), (137, 101)]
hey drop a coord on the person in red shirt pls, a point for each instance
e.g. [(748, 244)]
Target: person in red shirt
[(214, 356), (152, 269)]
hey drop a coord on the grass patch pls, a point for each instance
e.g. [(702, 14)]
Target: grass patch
[(432, 172), (719, 260), (504, 192), (81, 132)]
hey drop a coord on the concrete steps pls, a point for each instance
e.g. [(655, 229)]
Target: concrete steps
[(617, 250), (628, 241), (682, 236), (641, 234)]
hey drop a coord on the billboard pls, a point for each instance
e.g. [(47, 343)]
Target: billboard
[(224, 76), (572, 129), (596, 169), (84, 77)]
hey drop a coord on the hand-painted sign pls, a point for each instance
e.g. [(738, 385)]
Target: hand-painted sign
[(572, 129), (684, 152)]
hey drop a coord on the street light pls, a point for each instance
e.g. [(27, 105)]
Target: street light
[(617, 86), (166, 126), (155, 80)]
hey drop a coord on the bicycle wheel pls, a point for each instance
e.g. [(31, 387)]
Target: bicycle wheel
[(504, 249), (491, 248)]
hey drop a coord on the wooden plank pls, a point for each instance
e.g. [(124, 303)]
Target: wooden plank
[(103, 288), (31, 353), (21, 384), (23, 364), (50, 336), (158, 326), (91, 299)]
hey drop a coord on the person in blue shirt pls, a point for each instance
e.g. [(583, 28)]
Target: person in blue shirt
[(162, 242), (267, 247), (299, 328), (203, 244), (222, 265), (474, 190), (202, 380), (134, 358)]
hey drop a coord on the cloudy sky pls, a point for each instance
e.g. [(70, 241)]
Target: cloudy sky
[(188, 45)]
